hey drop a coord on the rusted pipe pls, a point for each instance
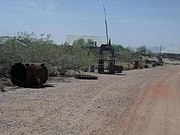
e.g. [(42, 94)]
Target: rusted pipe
[(27, 75)]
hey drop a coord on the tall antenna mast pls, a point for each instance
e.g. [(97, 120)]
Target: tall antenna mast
[(160, 48), (107, 38)]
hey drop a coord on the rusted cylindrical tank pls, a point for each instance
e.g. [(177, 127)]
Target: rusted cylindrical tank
[(27, 75), (135, 64)]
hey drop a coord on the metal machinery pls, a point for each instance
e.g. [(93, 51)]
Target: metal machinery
[(160, 60), (111, 61), (111, 67)]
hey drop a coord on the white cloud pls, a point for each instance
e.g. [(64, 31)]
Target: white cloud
[(40, 6)]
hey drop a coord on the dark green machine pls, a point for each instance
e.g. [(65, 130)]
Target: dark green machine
[(110, 62), (111, 67)]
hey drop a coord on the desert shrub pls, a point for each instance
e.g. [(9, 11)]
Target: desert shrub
[(125, 54), (24, 48), (30, 48), (127, 66)]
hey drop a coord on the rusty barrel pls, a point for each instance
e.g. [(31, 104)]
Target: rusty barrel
[(135, 64), (27, 75)]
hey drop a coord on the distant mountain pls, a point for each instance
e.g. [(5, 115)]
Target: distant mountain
[(154, 49)]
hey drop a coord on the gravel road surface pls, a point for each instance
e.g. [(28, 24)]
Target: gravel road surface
[(136, 102)]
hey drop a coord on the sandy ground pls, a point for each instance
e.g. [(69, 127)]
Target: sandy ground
[(137, 102)]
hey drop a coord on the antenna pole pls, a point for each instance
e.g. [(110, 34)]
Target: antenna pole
[(160, 48), (107, 38)]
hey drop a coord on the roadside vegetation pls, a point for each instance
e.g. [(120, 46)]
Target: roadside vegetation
[(30, 48)]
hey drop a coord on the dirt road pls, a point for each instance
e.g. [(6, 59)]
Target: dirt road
[(158, 111), (137, 102)]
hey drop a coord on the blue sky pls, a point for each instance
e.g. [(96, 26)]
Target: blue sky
[(131, 22)]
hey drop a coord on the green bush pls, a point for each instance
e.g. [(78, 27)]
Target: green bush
[(29, 48)]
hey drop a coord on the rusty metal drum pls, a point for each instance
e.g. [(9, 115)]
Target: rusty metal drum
[(27, 75), (135, 64)]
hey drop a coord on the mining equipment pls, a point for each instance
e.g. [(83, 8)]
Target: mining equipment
[(111, 67)]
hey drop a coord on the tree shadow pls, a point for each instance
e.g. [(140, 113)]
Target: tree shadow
[(120, 74), (40, 86)]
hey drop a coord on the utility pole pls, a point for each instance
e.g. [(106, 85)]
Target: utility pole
[(160, 48)]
